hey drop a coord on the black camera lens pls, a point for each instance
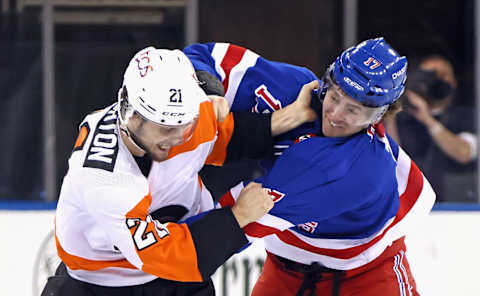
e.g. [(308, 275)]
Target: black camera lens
[(426, 84), (439, 89)]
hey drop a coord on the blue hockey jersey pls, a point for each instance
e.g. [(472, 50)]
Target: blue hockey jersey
[(347, 183), (338, 201)]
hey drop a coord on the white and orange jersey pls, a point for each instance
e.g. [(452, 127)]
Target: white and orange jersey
[(103, 230)]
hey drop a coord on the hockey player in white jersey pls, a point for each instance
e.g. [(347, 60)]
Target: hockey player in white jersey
[(115, 224)]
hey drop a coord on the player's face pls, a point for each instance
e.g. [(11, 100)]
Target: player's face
[(157, 140), (341, 115)]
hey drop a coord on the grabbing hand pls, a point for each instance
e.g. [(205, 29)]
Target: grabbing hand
[(296, 113), (220, 106), (252, 203), (302, 103)]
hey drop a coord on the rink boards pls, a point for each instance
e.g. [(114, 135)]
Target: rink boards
[(442, 253)]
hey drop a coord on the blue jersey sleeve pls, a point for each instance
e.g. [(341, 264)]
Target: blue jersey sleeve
[(201, 57), (254, 84)]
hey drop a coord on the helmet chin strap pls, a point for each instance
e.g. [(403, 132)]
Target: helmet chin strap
[(133, 139), (122, 124), (138, 143)]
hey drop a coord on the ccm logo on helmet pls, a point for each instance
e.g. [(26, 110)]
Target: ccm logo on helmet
[(352, 83), (399, 72), (173, 113)]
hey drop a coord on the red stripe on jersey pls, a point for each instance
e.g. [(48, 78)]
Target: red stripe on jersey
[(227, 200), (407, 200), (255, 229), (412, 192), (380, 129), (232, 57)]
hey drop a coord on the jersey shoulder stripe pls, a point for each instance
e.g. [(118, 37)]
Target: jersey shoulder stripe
[(231, 64), (84, 131)]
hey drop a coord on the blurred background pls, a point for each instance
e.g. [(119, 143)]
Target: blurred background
[(61, 59)]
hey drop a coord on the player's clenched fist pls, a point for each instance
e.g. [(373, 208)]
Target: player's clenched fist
[(253, 203), (302, 103)]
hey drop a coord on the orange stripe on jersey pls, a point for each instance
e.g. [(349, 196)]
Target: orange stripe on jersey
[(200, 181), (166, 250), (219, 152), (173, 257), (82, 136), (206, 130), (76, 262)]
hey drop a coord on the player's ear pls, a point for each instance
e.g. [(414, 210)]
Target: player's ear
[(135, 121)]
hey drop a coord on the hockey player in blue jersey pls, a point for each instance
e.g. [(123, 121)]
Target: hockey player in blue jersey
[(345, 193)]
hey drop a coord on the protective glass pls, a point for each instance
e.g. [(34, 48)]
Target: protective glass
[(188, 129), (177, 134), (349, 110)]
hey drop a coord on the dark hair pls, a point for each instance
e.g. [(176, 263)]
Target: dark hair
[(394, 108), (123, 101), (125, 105)]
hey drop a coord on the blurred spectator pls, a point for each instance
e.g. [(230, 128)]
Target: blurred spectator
[(437, 132)]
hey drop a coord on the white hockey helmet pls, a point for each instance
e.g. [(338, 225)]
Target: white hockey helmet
[(162, 87)]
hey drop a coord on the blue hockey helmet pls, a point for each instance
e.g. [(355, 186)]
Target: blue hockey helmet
[(372, 73)]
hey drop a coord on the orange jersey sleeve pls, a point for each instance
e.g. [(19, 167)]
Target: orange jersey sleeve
[(164, 250), (161, 246), (208, 130)]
